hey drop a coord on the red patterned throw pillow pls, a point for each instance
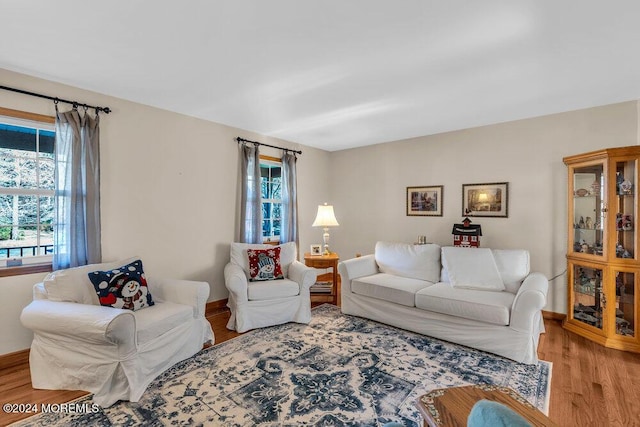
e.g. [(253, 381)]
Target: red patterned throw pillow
[(264, 264)]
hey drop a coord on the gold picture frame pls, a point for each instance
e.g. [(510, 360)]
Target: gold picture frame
[(486, 200)]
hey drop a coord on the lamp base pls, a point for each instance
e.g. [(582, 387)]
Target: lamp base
[(325, 238)]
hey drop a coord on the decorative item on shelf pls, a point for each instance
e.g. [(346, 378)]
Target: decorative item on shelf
[(422, 240), (581, 192), (581, 223), (588, 223), (625, 187), (466, 235), (621, 252), (597, 249), (624, 222), (584, 247), (595, 188), (325, 218), (619, 179)]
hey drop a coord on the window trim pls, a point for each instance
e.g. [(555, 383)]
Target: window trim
[(28, 268)]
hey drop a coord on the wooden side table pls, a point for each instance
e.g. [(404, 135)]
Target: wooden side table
[(451, 406), (325, 261)]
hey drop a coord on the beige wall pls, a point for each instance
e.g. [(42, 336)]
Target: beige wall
[(168, 192), (169, 188), (369, 184)]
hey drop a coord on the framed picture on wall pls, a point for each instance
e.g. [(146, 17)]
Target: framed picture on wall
[(487, 200), (424, 201)]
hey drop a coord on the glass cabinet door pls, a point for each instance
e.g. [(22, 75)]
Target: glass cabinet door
[(625, 303), (588, 300), (625, 209), (589, 209)]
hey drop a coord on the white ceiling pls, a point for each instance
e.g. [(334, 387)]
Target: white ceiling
[(335, 74)]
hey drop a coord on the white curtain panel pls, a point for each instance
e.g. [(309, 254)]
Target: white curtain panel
[(250, 209), (289, 230), (77, 153)]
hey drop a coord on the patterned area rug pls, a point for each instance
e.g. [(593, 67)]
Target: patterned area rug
[(337, 371)]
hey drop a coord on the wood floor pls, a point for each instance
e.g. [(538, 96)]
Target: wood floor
[(591, 385)]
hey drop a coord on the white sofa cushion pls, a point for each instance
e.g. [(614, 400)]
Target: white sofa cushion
[(239, 255), (272, 289), (473, 268), (159, 318), (387, 287), (481, 305), (513, 265), (73, 284), (407, 260)]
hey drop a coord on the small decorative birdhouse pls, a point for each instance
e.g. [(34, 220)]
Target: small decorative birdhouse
[(466, 235)]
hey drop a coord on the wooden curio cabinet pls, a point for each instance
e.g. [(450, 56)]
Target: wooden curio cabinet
[(603, 260)]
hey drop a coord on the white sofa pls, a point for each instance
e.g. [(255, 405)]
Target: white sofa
[(481, 298), (114, 353), (267, 303)]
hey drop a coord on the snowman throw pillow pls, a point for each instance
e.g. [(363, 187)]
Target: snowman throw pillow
[(264, 264), (124, 287)]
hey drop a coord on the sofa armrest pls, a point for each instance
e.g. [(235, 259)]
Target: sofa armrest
[(236, 282), (303, 275), (356, 267), (529, 301), (187, 292), (93, 324)]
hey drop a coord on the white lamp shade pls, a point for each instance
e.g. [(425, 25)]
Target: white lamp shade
[(325, 217)]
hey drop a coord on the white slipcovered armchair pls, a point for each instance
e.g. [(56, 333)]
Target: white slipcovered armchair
[(267, 303), (113, 353)]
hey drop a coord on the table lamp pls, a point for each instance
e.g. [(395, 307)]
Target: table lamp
[(325, 218)]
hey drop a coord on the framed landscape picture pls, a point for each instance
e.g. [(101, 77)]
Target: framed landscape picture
[(488, 200), (424, 201)]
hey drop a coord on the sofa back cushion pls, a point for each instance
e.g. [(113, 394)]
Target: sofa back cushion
[(73, 284), (512, 264), (408, 260), (470, 268), (239, 255)]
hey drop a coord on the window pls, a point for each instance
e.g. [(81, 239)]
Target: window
[(271, 196), (27, 185)]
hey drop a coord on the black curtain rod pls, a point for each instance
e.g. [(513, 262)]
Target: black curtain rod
[(76, 104), (267, 145)]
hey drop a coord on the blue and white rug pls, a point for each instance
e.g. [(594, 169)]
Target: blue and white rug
[(337, 371)]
